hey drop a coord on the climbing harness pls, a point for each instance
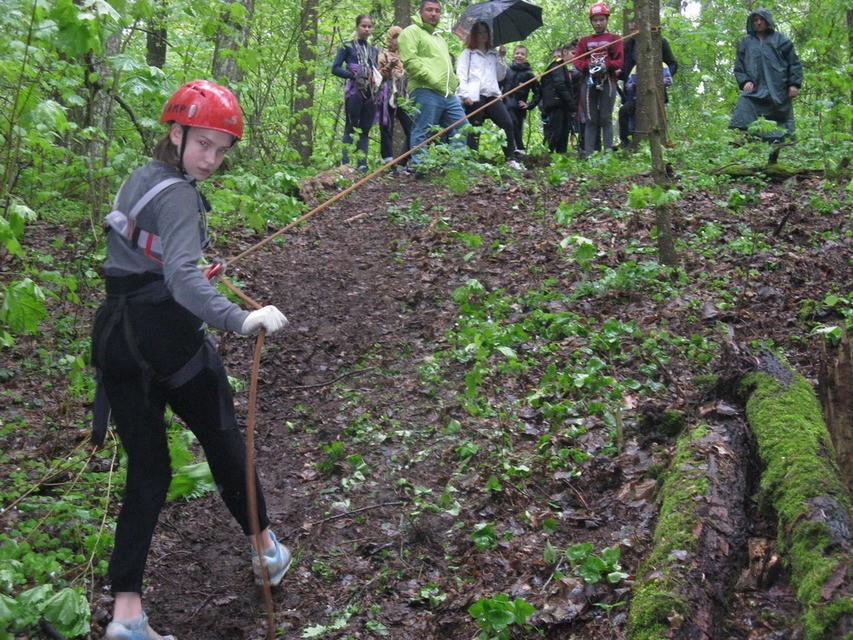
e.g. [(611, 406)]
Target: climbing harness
[(125, 223)]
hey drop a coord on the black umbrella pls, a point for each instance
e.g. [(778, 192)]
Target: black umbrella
[(509, 20)]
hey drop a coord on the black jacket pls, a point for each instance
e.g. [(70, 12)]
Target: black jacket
[(557, 88), (517, 74)]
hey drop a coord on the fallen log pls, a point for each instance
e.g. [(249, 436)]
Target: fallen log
[(835, 389), (801, 481), (700, 537)]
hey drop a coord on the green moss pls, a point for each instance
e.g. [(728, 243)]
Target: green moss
[(800, 466), (652, 605), (655, 599)]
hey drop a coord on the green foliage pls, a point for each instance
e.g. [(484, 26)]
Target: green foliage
[(831, 304), (499, 615), (334, 454), (23, 306), (484, 535), (12, 227), (595, 568), (642, 197), (67, 610)]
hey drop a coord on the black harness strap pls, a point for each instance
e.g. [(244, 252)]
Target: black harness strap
[(120, 314)]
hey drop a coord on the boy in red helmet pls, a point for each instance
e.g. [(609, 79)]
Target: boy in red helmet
[(600, 67), (150, 350)]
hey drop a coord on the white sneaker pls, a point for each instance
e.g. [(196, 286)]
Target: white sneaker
[(134, 629), (515, 164), (276, 561)]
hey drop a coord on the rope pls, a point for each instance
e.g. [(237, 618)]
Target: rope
[(408, 153), (251, 489)]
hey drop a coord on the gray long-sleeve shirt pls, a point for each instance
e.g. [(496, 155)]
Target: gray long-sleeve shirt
[(177, 215)]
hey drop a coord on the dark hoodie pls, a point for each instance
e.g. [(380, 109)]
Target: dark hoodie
[(517, 74), (771, 64)]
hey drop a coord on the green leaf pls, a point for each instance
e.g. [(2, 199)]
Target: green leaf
[(523, 610), (509, 352), (22, 306), (616, 576), (577, 552), (191, 481), (611, 556), (68, 611), (638, 197)]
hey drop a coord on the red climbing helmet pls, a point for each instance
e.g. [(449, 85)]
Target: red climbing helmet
[(598, 9), (205, 104)]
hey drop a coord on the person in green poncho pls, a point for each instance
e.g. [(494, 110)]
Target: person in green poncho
[(769, 74)]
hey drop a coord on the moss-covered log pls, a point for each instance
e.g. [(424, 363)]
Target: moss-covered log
[(801, 482), (699, 539)]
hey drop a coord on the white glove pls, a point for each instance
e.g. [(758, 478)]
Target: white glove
[(269, 317)]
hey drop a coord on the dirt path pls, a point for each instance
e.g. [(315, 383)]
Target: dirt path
[(377, 473)]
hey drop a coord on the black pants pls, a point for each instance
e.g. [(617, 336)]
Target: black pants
[(498, 114), (627, 115), (518, 116), (360, 113), (557, 128), (386, 133), (139, 399)]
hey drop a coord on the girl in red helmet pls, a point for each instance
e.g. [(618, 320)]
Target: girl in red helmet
[(150, 350), (599, 59)]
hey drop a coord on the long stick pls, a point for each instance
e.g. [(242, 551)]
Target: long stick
[(251, 488)]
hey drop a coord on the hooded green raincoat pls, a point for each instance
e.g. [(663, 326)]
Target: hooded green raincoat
[(773, 66)]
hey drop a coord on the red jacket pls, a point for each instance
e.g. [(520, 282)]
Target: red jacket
[(613, 61)]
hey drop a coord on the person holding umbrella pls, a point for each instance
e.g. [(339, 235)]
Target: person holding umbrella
[(599, 58), (480, 68)]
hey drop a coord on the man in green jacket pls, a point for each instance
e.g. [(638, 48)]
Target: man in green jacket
[(769, 73), (432, 81)]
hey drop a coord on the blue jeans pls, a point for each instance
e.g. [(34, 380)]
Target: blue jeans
[(435, 109)]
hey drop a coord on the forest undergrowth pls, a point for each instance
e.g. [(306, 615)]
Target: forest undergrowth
[(468, 428)]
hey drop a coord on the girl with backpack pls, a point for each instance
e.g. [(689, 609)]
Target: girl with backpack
[(357, 63), (600, 70), (150, 350)]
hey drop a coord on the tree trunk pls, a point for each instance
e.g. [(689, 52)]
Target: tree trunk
[(850, 47), (835, 389), (99, 114), (231, 36), (402, 13), (301, 134), (155, 41), (649, 122)]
